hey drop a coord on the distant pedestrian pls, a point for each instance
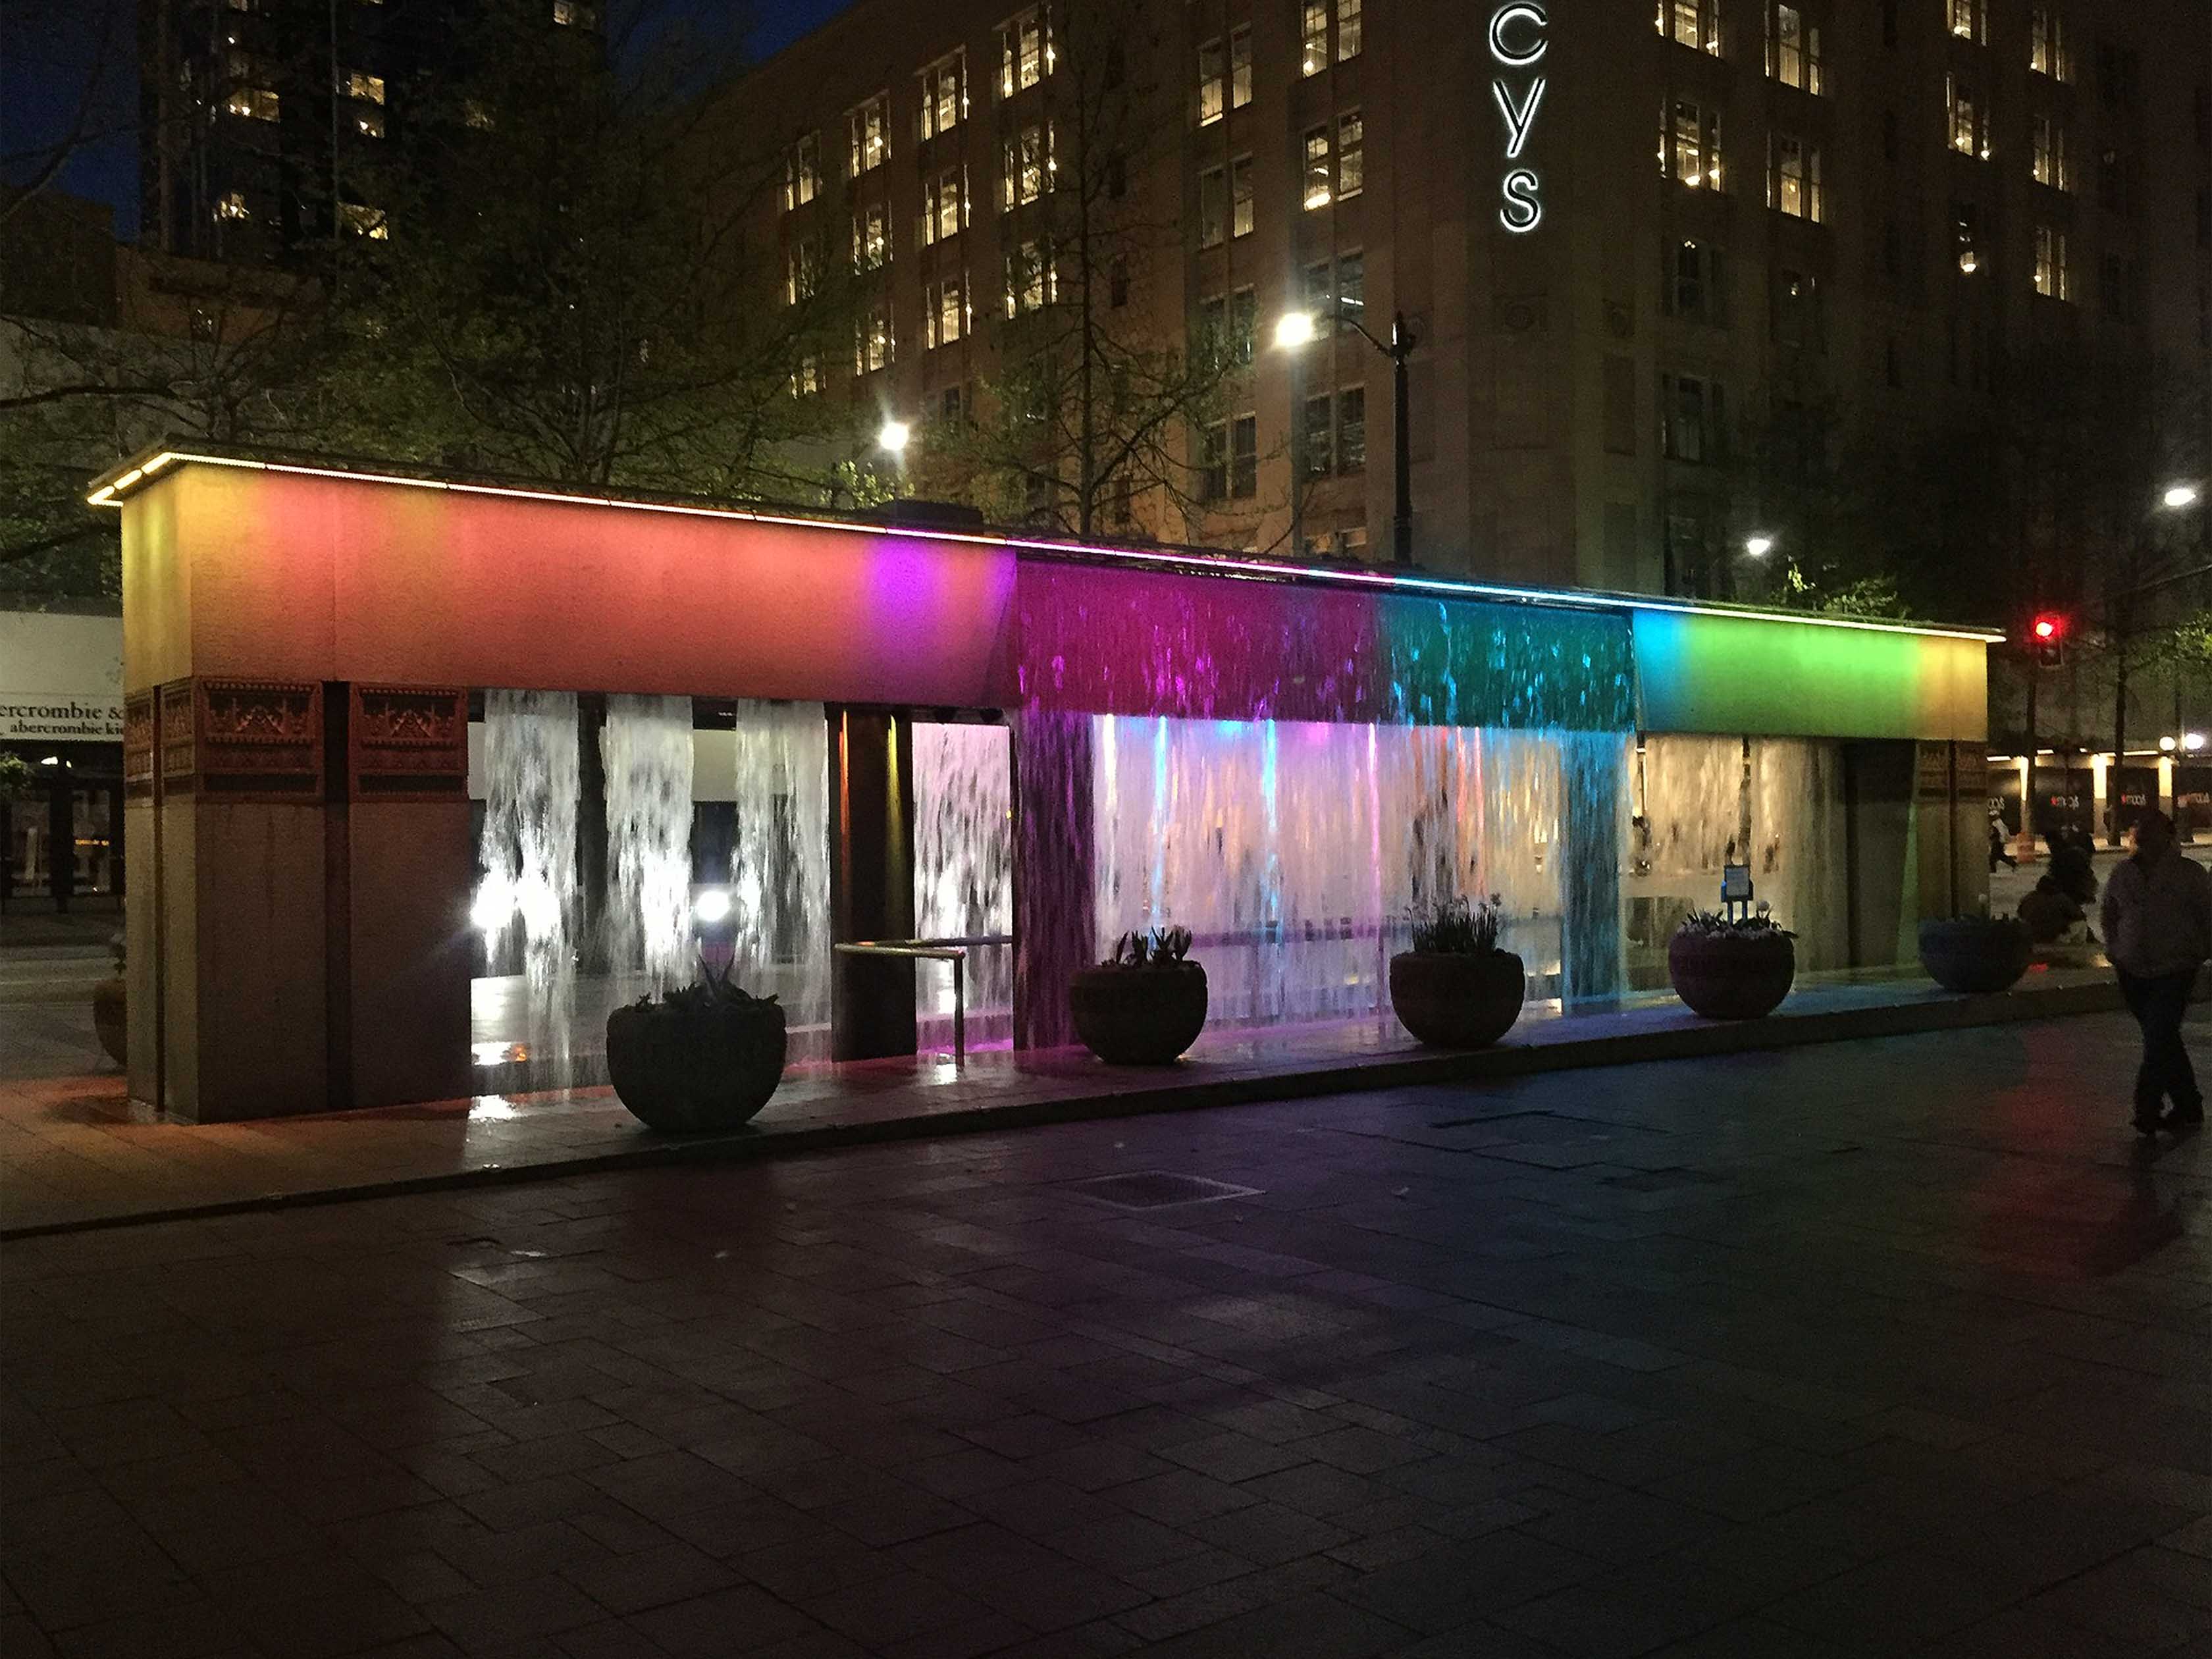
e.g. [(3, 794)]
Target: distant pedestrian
[(1999, 852), (2157, 931)]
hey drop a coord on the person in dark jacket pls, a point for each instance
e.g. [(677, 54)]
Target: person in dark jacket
[(2158, 931)]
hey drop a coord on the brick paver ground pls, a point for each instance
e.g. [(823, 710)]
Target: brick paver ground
[(1888, 1348)]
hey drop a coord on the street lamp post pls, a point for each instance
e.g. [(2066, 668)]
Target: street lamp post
[(1295, 329)]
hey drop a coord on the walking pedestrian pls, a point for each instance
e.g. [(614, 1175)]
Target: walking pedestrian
[(1999, 852), (2157, 931)]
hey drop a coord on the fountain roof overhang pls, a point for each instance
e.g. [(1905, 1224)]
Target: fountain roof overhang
[(116, 485)]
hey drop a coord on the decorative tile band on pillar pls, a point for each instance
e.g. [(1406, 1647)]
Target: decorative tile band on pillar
[(258, 740), (178, 766), (138, 746), (408, 744)]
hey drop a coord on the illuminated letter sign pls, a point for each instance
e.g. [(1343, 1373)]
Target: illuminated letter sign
[(1517, 42)]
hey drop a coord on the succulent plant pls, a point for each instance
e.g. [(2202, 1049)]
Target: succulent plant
[(1155, 949)]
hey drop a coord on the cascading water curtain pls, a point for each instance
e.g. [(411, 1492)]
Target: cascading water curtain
[(780, 865), (529, 854), (963, 871), (646, 749)]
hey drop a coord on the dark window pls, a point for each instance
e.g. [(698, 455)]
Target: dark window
[(1213, 462), (1352, 429), (1319, 436), (1244, 456), (1619, 404)]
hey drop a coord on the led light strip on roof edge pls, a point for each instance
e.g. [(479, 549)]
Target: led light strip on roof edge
[(1196, 561)]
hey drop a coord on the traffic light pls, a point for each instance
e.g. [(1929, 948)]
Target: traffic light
[(2049, 633)]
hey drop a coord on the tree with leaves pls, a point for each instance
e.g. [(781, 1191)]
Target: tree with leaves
[(1089, 410), (553, 280)]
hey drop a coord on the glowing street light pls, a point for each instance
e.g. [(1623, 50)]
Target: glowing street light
[(712, 906), (1760, 546), (892, 439), (2180, 496), (1294, 328)]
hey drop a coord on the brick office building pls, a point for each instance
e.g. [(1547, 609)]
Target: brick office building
[(1885, 202)]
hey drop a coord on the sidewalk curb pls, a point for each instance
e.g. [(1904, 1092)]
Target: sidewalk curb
[(1171, 1093)]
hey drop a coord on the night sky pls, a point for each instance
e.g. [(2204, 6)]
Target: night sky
[(51, 50)]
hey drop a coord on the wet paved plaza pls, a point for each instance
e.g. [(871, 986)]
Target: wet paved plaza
[(1888, 1348)]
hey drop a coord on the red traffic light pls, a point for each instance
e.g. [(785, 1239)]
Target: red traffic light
[(2048, 628)]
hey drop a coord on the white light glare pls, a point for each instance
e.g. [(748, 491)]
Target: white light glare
[(494, 906), (893, 437), (1294, 328), (1760, 546), (2193, 740), (713, 905), (2181, 495), (2167, 743)]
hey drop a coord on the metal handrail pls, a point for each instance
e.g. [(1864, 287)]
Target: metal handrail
[(954, 950)]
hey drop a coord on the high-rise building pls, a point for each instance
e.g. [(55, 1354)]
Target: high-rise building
[(256, 115), (1625, 238)]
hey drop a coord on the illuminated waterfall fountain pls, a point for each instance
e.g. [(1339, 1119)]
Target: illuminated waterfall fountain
[(529, 855), (963, 875), (645, 750), (780, 865)]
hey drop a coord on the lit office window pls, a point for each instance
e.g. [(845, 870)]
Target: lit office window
[(1313, 36), (802, 173), (1317, 176), (871, 237), (2052, 279), (1350, 155), (1240, 197), (945, 94), (1212, 207), (945, 312), (2049, 51), (1029, 167), (1690, 144), (1970, 20), (2052, 166), (873, 346), (360, 219), (1793, 49), (1240, 67), (233, 206), (944, 205), (1025, 50), (1966, 118), (1693, 23), (1794, 179), (868, 136), (1212, 83), (1347, 30), (1032, 283)]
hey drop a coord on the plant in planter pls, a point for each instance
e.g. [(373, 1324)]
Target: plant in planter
[(1455, 988), (707, 1056), (1145, 1004), (1975, 954), (110, 1009), (1731, 968)]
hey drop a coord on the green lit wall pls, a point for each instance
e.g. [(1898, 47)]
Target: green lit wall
[(1718, 673)]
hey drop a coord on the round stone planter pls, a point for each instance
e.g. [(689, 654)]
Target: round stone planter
[(1975, 954), (1452, 1001), (111, 1020), (1732, 975), (683, 1071), (1139, 1016)]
